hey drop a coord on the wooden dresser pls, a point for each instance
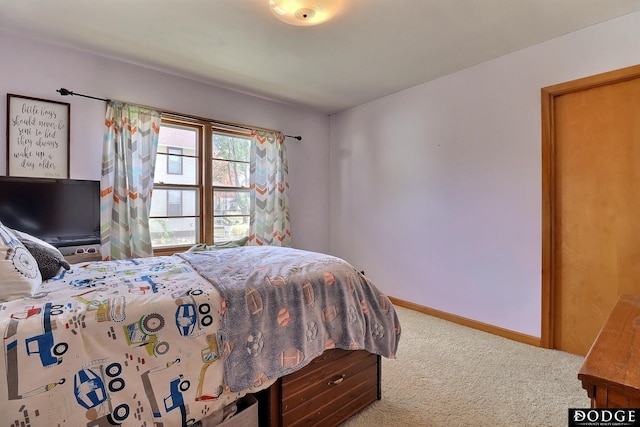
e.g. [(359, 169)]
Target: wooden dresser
[(332, 388), (611, 370)]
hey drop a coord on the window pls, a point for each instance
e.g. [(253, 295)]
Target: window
[(174, 203), (230, 185), (201, 185), (174, 161)]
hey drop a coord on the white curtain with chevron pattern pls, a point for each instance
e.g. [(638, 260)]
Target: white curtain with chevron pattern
[(269, 218), (128, 162)]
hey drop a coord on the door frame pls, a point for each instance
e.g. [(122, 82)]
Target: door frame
[(549, 94)]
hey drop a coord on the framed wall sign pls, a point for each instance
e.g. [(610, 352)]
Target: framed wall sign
[(37, 137)]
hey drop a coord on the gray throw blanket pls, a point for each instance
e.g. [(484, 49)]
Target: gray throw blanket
[(284, 307)]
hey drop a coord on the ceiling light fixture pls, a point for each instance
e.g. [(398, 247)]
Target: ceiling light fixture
[(305, 12)]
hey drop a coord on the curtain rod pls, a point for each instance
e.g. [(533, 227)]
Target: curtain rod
[(64, 92)]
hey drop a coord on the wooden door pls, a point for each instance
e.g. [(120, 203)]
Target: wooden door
[(592, 184)]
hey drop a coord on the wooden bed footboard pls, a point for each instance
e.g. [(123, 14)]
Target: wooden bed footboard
[(332, 388)]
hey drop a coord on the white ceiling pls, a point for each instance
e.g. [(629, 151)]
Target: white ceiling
[(372, 49)]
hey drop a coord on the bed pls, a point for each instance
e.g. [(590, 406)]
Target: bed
[(172, 340)]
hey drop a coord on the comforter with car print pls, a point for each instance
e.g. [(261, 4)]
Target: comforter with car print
[(134, 342)]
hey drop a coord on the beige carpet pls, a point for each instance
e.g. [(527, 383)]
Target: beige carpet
[(447, 375)]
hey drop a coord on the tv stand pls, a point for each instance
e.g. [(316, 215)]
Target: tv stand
[(83, 257), (81, 253)]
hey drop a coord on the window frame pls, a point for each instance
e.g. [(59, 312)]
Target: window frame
[(204, 164)]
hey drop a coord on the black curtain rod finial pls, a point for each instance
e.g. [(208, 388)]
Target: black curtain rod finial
[(64, 92), (298, 137)]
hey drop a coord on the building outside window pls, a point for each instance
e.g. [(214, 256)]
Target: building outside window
[(174, 203)]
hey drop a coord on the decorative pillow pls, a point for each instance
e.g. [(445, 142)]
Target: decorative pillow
[(21, 235), (19, 274), (50, 260), (230, 244)]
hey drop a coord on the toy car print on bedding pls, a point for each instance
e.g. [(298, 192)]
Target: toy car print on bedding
[(132, 342), (171, 340)]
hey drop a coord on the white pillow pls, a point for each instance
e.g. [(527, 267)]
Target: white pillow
[(19, 274), (21, 235)]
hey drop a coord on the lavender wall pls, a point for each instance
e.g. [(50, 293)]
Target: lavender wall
[(433, 191), (436, 190), (37, 69)]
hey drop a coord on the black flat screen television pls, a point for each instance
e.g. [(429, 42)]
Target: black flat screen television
[(63, 212)]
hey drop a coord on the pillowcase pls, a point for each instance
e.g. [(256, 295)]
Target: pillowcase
[(230, 244), (19, 274), (21, 235), (49, 259)]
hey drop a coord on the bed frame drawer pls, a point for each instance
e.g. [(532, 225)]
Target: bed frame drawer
[(332, 388)]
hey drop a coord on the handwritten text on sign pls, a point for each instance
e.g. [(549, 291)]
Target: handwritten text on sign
[(38, 137)]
